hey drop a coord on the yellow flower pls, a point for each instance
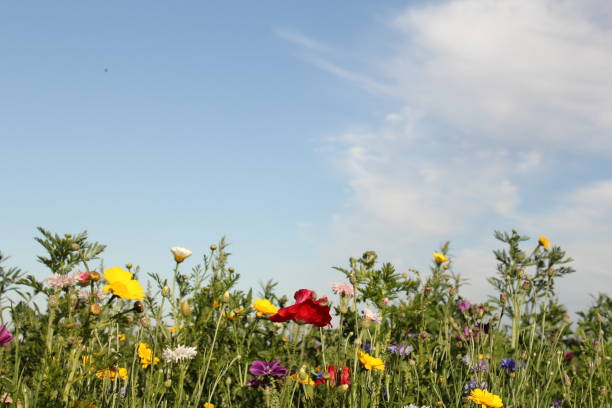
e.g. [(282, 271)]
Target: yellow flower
[(439, 258), (208, 405), (302, 379), (370, 362), (485, 398), (544, 241), (216, 304), (112, 373), (146, 355), (121, 336), (174, 329), (264, 306), (121, 284)]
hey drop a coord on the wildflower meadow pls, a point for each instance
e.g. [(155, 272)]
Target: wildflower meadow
[(95, 335)]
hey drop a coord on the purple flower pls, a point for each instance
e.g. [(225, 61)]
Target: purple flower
[(5, 336), (473, 384), (481, 366), (400, 349), (463, 306), (366, 347), (263, 368), (557, 403), (508, 364), (254, 383)]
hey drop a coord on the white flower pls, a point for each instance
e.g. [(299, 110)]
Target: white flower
[(180, 353), (371, 315), (180, 254), (61, 281)]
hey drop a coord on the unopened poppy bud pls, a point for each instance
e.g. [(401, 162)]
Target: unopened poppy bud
[(185, 309), (94, 276), (74, 246), (138, 307), (213, 247), (427, 291), (95, 309)]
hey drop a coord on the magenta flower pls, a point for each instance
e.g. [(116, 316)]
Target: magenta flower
[(5, 336), (463, 306), (263, 368)]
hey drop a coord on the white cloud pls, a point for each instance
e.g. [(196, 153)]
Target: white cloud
[(490, 93)]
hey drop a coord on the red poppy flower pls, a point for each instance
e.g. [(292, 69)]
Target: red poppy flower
[(306, 310), (333, 378)]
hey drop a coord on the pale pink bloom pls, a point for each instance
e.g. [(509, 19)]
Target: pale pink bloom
[(99, 295), (61, 281), (371, 315), (343, 289), (385, 300)]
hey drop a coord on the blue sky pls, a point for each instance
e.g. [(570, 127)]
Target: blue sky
[(309, 132)]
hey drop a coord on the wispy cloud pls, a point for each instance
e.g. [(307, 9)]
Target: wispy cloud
[(301, 39), (491, 95)]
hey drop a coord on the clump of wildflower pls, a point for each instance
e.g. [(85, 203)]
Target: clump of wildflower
[(264, 307), (180, 254), (371, 315), (146, 355), (332, 376), (343, 289), (180, 353), (400, 349), (485, 398), (5, 336), (112, 373), (370, 362), (63, 280)]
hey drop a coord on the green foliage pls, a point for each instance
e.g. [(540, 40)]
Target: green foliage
[(81, 349)]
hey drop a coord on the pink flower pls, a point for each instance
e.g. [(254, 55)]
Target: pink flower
[(61, 281), (5, 336), (343, 289), (83, 276), (371, 315)]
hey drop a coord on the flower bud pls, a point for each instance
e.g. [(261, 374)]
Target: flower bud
[(67, 236), (128, 266), (94, 276), (168, 383), (503, 297), (427, 291), (95, 309), (213, 247), (74, 246), (231, 269), (226, 297), (343, 387), (53, 301), (138, 307), (165, 291), (185, 309), (228, 381)]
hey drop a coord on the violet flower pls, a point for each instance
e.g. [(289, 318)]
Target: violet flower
[(508, 364), (5, 336), (400, 349), (263, 368)]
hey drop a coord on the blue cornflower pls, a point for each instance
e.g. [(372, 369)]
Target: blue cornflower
[(508, 364)]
